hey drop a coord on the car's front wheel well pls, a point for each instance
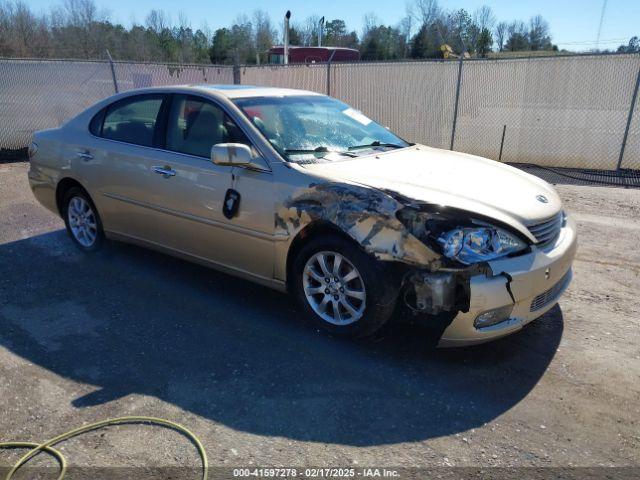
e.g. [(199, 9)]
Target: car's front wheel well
[(63, 187), (358, 296), (313, 230)]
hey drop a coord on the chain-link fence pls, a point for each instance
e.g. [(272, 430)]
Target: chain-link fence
[(632, 148), (38, 94), (562, 117), (131, 75), (308, 77), (561, 112), (413, 99)]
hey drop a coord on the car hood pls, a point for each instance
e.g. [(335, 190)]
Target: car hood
[(453, 179)]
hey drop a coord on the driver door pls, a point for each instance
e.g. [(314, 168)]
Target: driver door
[(191, 192)]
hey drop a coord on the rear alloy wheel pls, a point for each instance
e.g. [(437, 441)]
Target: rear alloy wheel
[(82, 220), (344, 290)]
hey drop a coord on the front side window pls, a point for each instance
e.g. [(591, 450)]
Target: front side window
[(195, 125), (308, 128), (132, 120)]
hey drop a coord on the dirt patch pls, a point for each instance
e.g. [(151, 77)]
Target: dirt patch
[(132, 332)]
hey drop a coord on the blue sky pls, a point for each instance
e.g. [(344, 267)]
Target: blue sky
[(571, 21)]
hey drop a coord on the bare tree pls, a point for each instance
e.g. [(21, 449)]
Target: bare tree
[(483, 17), (243, 40), (370, 21), (517, 36), (309, 30), (183, 20), (264, 34), (185, 38), (82, 16), (79, 29), (517, 27), (157, 21), (23, 28), (405, 27), (539, 38), (80, 13), (479, 30), (427, 11), (501, 35)]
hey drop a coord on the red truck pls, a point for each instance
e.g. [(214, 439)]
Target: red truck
[(313, 54)]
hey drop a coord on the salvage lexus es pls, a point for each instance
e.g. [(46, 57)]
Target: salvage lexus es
[(300, 192)]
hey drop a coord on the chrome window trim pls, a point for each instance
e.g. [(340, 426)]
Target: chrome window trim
[(262, 156), (105, 110), (217, 104), (202, 159)]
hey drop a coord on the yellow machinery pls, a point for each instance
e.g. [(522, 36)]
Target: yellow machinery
[(447, 52)]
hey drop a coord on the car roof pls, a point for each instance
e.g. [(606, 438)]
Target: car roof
[(245, 91), (223, 90)]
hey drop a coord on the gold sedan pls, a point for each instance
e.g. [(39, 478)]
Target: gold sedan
[(301, 192)]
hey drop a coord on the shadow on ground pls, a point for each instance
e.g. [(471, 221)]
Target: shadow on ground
[(624, 177), (131, 321)]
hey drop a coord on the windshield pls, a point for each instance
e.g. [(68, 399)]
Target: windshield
[(311, 128)]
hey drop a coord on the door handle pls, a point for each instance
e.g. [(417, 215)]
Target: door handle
[(165, 171), (85, 155)]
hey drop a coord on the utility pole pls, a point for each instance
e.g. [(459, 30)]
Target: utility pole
[(287, 16), (320, 31), (604, 8)]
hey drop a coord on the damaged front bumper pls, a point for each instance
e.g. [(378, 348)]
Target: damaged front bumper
[(528, 285)]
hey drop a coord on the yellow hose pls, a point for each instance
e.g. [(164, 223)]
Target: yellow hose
[(36, 448)]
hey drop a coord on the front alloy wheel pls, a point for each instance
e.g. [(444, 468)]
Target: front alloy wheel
[(341, 288), (334, 288)]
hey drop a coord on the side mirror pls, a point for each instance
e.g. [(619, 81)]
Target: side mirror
[(232, 155)]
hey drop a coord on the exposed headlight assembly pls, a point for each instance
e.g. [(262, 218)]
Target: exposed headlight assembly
[(478, 244)]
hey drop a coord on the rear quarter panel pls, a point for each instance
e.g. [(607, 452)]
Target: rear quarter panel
[(47, 167), (56, 156)]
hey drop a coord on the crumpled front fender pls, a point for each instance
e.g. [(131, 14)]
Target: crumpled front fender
[(367, 215)]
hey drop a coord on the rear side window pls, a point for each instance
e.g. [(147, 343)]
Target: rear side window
[(95, 127), (132, 120)]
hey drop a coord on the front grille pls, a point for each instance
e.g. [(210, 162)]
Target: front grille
[(550, 295), (547, 231)]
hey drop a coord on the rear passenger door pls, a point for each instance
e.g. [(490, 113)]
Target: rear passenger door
[(117, 164)]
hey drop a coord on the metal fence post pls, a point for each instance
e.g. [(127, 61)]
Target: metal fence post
[(634, 98), (455, 108), (329, 73), (236, 74), (504, 131), (113, 72)]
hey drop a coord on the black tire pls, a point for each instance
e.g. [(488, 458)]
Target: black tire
[(381, 295), (68, 196)]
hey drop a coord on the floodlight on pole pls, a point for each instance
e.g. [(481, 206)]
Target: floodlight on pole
[(320, 31), (287, 16)]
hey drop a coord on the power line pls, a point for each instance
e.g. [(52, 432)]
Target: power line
[(587, 42), (604, 8)]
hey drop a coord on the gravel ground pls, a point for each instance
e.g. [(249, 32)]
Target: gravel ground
[(132, 332)]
